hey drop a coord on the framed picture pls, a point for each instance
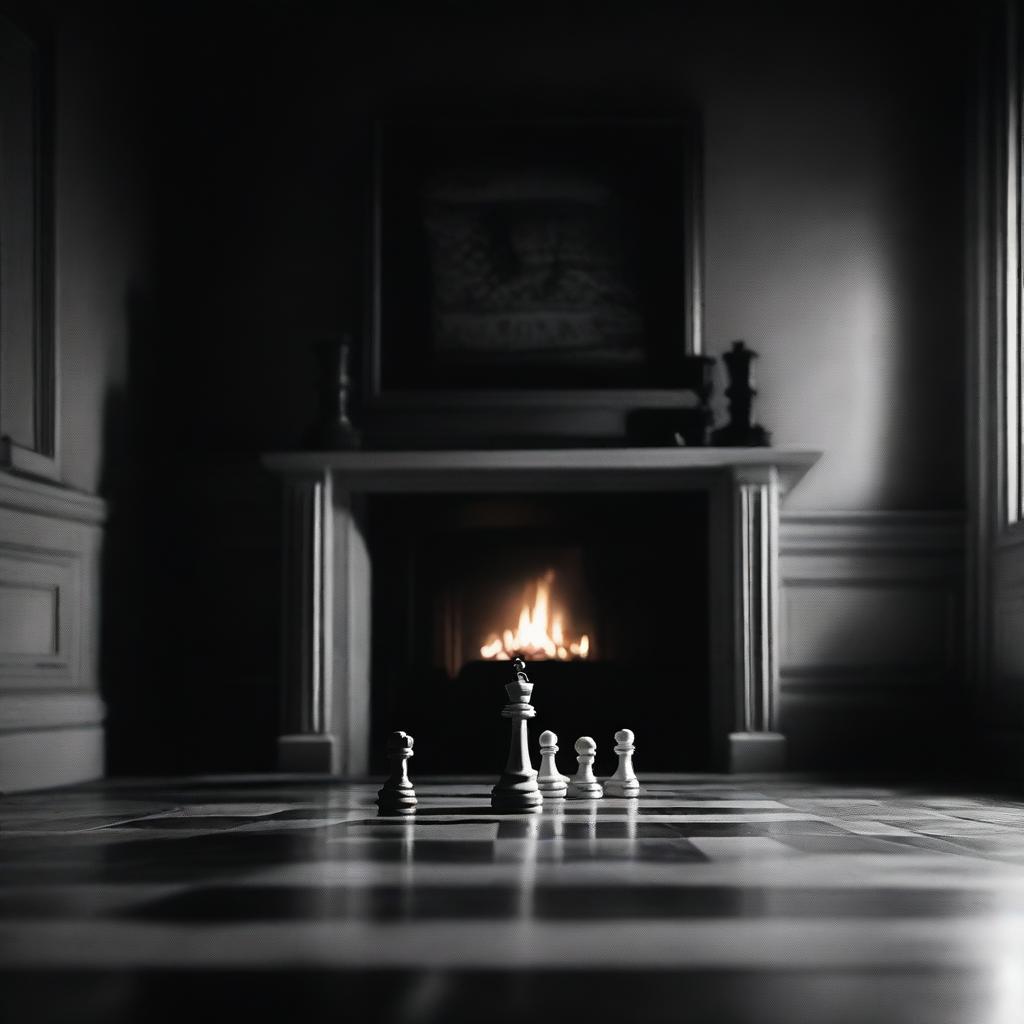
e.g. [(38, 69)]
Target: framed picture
[(534, 261)]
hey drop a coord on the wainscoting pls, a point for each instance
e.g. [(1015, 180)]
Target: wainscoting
[(872, 636), (1006, 694), (871, 630), (51, 712), (999, 696)]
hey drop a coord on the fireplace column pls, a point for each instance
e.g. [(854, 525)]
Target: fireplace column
[(326, 671), (306, 743), (755, 744)]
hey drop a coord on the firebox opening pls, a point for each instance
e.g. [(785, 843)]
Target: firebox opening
[(541, 632), (518, 600), (605, 596)]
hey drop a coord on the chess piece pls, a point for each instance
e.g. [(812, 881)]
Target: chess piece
[(584, 786), (741, 430), (517, 790), (551, 782), (624, 782), (397, 795)]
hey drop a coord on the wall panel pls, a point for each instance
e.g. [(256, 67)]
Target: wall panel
[(51, 712), (872, 635)]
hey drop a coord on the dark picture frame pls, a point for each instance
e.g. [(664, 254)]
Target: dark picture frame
[(535, 262)]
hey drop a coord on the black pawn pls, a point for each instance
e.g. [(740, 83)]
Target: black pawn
[(397, 795)]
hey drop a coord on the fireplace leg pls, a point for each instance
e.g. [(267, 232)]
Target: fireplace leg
[(756, 745), (326, 685), (306, 743)]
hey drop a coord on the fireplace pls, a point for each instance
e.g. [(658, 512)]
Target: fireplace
[(534, 306), (336, 508), (605, 595)]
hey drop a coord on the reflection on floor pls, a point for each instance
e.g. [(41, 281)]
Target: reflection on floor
[(717, 899)]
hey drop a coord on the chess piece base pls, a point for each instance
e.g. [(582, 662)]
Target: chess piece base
[(613, 787), (518, 803), (552, 789), (584, 791), (517, 792), (387, 810), (396, 800)]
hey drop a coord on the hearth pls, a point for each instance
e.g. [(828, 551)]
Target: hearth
[(606, 596)]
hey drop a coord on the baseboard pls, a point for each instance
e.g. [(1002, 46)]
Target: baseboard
[(42, 758), (23, 711), (756, 752)]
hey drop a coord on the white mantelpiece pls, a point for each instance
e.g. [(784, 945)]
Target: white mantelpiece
[(328, 576)]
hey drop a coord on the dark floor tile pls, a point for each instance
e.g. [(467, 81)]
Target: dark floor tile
[(504, 997), (56, 823), (208, 905), (325, 811), (424, 851), (190, 822), (232, 904), (771, 829), (680, 851), (553, 830), (843, 842)]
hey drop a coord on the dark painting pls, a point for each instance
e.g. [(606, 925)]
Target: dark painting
[(534, 255), (530, 267)]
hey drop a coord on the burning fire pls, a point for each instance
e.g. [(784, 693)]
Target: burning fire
[(540, 632)]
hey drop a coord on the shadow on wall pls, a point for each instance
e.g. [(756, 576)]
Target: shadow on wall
[(132, 673), (189, 638)]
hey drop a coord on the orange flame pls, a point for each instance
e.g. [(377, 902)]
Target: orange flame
[(540, 632)]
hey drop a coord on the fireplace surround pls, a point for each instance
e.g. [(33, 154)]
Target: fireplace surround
[(328, 573)]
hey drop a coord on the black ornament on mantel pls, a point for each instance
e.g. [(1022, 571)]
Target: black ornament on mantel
[(741, 431), (333, 429)]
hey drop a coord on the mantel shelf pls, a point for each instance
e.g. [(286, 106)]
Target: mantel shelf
[(559, 468)]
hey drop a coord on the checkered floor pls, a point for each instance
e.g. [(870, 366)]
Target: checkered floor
[(715, 899)]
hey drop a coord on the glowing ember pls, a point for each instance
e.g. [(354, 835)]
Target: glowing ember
[(540, 633)]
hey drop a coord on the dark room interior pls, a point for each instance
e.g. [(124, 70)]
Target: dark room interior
[(393, 392)]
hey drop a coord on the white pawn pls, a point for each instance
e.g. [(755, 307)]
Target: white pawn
[(550, 781), (624, 782), (585, 786)]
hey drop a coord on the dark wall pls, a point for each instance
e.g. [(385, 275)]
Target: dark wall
[(833, 207), (834, 237)]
